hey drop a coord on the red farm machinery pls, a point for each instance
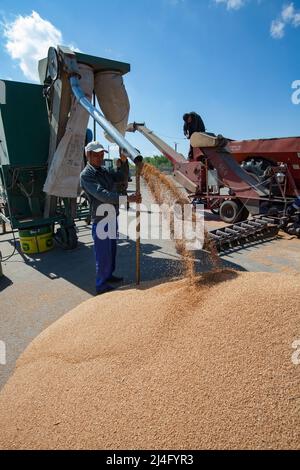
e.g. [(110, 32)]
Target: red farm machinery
[(251, 184)]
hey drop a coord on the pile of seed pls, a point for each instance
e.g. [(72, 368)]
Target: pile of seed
[(206, 365)]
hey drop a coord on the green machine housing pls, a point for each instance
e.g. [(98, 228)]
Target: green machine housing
[(25, 138), (24, 144)]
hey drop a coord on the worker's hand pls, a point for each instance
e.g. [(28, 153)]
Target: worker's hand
[(135, 198), (123, 158)]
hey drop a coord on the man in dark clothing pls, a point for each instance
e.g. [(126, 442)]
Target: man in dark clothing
[(192, 123), (99, 185)]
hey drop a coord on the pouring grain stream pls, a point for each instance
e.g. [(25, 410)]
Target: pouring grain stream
[(165, 191)]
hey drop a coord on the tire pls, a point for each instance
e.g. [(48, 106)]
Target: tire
[(233, 212)]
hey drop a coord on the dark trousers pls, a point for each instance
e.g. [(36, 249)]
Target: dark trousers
[(105, 254)]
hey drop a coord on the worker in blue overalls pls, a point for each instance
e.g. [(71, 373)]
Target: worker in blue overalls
[(99, 185)]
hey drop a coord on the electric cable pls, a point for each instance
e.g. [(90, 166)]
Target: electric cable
[(7, 258)]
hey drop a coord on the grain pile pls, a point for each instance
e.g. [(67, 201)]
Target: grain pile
[(180, 365)]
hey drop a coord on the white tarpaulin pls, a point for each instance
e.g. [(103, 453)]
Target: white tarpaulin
[(113, 99), (63, 173)]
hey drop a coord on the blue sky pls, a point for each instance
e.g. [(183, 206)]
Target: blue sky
[(232, 61)]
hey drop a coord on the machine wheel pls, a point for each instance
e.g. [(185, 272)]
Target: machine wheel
[(53, 64), (233, 211)]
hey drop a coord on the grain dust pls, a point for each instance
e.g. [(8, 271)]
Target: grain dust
[(165, 191)]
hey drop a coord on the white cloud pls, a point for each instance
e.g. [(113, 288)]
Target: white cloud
[(232, 4), (277, 29), (288, 12), (27, 41), (296, 20), (288, 15)]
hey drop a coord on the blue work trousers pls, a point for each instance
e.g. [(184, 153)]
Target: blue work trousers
[(105, 254)]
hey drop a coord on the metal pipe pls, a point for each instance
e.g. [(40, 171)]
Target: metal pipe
[(138, 226), (106, 125), (95, 124), (162, 146), (122, 142), (1, 271), (3, 226)]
